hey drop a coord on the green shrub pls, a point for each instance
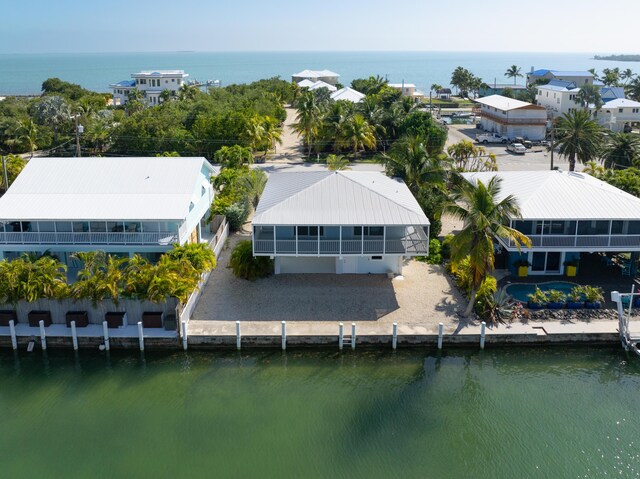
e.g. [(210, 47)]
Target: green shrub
[(445, 251), (247, 266), (237, 214), (486, 291), (435, 256)]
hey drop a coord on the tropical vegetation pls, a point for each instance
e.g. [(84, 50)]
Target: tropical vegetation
[(106, 277), (247, 266)]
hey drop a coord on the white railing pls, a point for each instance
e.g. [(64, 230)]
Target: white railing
[(333, 246), (161, 238), (586, 241)]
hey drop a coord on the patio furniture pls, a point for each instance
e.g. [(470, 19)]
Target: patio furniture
[(152, 319), (7, 315), (35, 316), (115, 319), (80, 317)]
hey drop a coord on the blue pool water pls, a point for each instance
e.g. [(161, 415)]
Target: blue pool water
[(519, 291)]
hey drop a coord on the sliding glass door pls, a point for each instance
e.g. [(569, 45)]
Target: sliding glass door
[(546, 262)]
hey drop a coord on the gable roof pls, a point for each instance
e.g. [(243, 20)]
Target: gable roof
[(622, 103), (148, 188), (124, 83), (543, 72), (315, 74), (505, 103), (321, 84), (348, 94), (562, 195), (337, 198), (558, 85), (612, 92)]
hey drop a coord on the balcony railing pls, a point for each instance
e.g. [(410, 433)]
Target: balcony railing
[(586, 241), (504, 119), (344, 247), (58, 238)]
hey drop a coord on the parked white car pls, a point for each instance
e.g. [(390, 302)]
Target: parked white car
[(517, 148), (491, 138)]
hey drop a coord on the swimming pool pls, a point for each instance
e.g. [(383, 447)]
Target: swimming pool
[(519, 291)]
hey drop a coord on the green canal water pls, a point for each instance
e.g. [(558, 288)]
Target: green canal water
[(508, 413)]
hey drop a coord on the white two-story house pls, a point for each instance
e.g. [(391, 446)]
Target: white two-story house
[(338, 222), (151, 83), (617, 113), (511, 118), (122, 206), (408, 90)]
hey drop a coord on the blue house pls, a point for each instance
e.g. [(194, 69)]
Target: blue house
[(566, 215)]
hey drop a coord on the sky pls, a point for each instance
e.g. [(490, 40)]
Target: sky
[(69, 26)]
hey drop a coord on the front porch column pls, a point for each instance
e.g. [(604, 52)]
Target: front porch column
[(384, 240), (340, 236), (362, 239), (274, 240)]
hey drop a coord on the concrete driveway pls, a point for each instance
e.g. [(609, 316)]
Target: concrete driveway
[(425, 296)]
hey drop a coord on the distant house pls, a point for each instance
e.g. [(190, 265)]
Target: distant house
[(566, 215), (558, 97), (348, 94), (580, 78), (617, 114), (499, 89), (408, 90), (338, 222), (150, 83), (320, 84), (326, 76), (119, 205), (443, 94), (511, 118)]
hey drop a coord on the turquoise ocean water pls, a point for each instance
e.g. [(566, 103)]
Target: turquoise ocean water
[(23, 74)]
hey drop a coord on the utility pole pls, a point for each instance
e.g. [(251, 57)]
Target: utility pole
[(79, 131)]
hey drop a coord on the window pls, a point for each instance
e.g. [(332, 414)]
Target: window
[(635, 110), (620, 110), (376, 258), (173, 80), (368, 230), (558, 101), (593, 227), (540, 92), (310, 231), (80, 226)]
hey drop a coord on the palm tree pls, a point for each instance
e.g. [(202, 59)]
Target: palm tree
[(633, 88), (594, 169), (435, 87), (254, 184), (337, 163), (408, 159), (308, 119), (627, 75), (621, 150), (166, 95), (589, 95), (485, 217), (357, 134), (374, 114), (254, 132), (187, 92), (28, 134), (579, 137), (272, 133), (513, 72), (98, 131)]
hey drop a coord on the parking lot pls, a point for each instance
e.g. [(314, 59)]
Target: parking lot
[(537, 158)]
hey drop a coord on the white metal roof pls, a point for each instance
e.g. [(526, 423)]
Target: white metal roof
[(621, 103), (337, 198), (321, 84), (306, 83), (504, 103), (348, 94), (562, 195), (148, 188), (315, 74)]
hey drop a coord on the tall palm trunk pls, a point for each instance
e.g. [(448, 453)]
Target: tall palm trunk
[(472, 301), (572, 162)]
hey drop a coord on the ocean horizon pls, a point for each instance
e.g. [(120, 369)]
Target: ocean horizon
[(23, 74)]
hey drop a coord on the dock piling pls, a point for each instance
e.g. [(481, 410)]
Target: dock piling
[(105, 331), (12, 330), (43, 336), (238, 336), (185, 342), (440, 331), (394, 341), (74, 335), (353, 336), (284, 335), (340, 336), (141, 335), (483, 327)]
